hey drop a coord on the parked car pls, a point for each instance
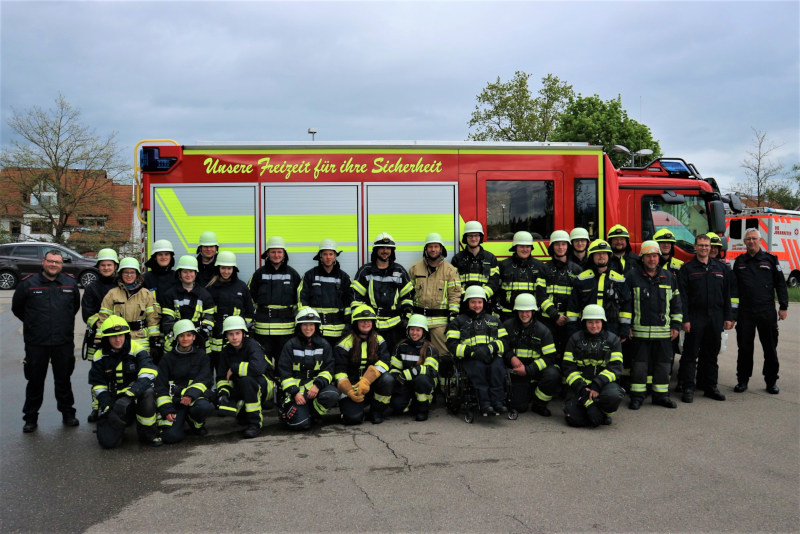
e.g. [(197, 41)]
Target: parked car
[(18, 260)]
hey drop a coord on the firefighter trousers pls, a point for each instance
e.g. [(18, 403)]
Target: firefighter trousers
[(766, 323), (378, 398), (608, 401), (124, 410), (37, 359), (488, 379), (698, 368), (250, 390), (419, 389), (655, 354), (539, 389), (299, 417), (195, 415)]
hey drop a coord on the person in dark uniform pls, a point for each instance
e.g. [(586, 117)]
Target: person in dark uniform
[(46, 303), (759, 278), (207, 250)]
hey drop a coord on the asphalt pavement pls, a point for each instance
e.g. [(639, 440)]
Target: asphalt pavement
[(708, 466)]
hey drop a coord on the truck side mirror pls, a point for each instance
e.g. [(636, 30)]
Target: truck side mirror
[(716, 218)]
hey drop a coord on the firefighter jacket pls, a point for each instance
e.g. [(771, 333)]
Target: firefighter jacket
[(231, 297), (470, 330), (758, 279), (606, 289), (205, 271), (532, 344), (518, 276), (592, 360), (47, 309), (247, 360), (413, 358), (389, 291), (582, 263), (480, 269), (158, 280), (672, 265), (304, 363), (353, 368), (705, 292), (275, 292), (128, 371), (93, 298), (623, 264), (138, 308), (330, 294), (196, 305), (553, 296), (437, 291), (656, 303), (182, 374)]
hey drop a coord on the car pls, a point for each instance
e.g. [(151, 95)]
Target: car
[(18, 260)]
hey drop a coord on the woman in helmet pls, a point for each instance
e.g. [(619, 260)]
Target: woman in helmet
[(591, 367), (242, 375), (187, 300), (305, 371), (131, 301), (231, 297), (122, 377), (415, 366), (183, 382), (361, 362), (159, 275)]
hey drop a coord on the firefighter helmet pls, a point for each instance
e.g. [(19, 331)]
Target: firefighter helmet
[(593, 311), (107, 254), (188, 263), (599, 245), (417, 320), (578, 233), (474, 292), (384, 240), (434, 237), (649, 247), (276, 242), (208, 239), (183, 326), (559, 235), (130, 263), (521, 238), (618, 231), (363, 312), (234, 322), (307, 315), (716, 241), (664, 236), (525, 302), (162, 245), (472, 227), (226, 258), (114, 325)]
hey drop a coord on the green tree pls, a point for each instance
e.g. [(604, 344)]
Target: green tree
[(508, 111), (595, 121), (786, 192), (59, 169)]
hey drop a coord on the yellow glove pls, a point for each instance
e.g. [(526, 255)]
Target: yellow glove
[(370, 376), (344, 386)]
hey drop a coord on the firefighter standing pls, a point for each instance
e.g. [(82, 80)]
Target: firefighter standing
[(656, 323), (478, 339), (437, 289), (327, 289), (476, 265), (759, 278), (187, 300), (414, 367), (159, 275), (530, 353), (122, 377), (107, 262), (622, 259), (579, 239), (231, 298), (184, 379), (559, 276), (518, 274), (592, 365), (305, 371), (274, 288), (706, 301), (666, 245), (46, 303), (242, 380), (385, 286), (207, 250), (361, 362)]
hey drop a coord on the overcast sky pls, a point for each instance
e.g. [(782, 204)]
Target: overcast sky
[(700, 75)]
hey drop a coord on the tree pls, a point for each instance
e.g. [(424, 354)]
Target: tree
[(759, 167), (606, 123), (507, 111), (786, 192), (59, 170)]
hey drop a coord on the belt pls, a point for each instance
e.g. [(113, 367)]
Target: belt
[(332, 318), (387, 313), (136, 325), (276, 313), (430, 312)]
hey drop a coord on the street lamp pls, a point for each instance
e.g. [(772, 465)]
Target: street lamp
[(624, 150), (313, 132)]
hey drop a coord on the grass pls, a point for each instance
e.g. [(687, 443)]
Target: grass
[(794, 294)]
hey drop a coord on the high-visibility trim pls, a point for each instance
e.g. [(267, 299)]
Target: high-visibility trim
[(383, 399), (146, 421), (279, 150)]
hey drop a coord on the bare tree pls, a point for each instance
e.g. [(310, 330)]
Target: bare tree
[(60, 168), (759, 167)]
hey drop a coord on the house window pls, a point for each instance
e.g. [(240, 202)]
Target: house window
[(41, 226), (92, 222)]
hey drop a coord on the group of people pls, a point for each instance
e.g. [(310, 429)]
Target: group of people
[(173, 345)]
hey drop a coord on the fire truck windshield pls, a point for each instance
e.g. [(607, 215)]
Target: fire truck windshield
[(685, 220)]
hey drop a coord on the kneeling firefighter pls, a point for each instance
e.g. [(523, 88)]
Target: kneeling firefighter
[(414, 367)]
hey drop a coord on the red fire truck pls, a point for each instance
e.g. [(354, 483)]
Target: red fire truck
[(351, 192)]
